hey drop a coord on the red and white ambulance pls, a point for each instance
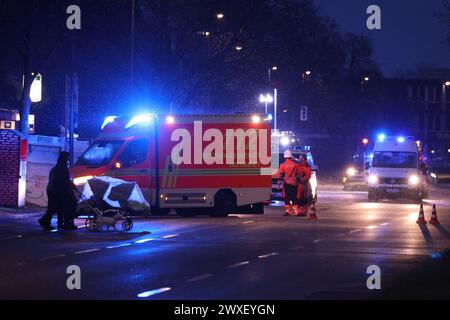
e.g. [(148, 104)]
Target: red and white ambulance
[(190, 163)]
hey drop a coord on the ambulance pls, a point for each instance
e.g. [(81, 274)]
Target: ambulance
[(397, 169), (191, 163)]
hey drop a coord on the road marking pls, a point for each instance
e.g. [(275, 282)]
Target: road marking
[(384, 224), (53, 257), (119, 245), (371, 227), (268, 255), (11, 238), (144, 240), (19, 264), (247, 222), (147, 294), (201, 277), (353, 231), (318, 240), (297, 248), (239, 264), (170, 236), (86, 251), (341, 234)]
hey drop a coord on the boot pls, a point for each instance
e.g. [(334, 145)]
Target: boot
[(45, 225), (287, 209)]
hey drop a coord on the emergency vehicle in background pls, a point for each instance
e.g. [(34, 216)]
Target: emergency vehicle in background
[(397, 169), (191, 163), (277, 184)]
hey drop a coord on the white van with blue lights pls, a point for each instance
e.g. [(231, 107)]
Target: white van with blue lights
[(397, 169)]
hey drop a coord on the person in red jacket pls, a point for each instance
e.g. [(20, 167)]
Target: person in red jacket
[(304, 175), (288, 171)]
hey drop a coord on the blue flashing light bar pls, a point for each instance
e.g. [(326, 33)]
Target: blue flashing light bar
[(143, 118)]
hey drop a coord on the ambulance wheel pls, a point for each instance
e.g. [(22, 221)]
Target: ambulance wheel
[(224, 203)]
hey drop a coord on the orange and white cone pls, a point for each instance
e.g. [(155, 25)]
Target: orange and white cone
[(312, 214), (434, 220), (421, 219)]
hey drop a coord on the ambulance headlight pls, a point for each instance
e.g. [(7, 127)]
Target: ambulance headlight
[(351, 172), (81, 180), (285, 141), (373, 179), (414, 180)]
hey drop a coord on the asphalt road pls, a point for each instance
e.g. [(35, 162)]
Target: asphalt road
[(239, 257)]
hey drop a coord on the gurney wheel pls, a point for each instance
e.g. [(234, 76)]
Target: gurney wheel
[(127, 225)]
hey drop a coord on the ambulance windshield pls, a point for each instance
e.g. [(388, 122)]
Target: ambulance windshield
[(390, 159), (99, 153)]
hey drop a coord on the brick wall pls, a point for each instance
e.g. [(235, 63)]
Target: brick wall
[(9, 168)]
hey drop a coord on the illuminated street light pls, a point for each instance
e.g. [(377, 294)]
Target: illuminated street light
[(365, 141), (447, 83), (220, 16), (265, 99), (238, 48)]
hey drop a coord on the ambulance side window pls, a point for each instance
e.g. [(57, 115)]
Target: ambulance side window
[(134, 153)]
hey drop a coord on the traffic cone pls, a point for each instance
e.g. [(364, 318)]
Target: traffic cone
[(312, 214), (421, 219), (434, 219)]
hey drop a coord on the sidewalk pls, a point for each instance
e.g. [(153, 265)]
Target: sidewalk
[(29, 211)]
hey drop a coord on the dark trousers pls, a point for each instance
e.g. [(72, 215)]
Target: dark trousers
[(63, 205), (53, 207), (290, 194)]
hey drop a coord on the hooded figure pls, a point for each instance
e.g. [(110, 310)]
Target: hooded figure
[(61, 198)]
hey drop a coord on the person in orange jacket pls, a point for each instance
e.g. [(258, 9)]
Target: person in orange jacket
[(288, 171), (304, 175)]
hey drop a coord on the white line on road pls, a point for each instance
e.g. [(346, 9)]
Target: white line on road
[(247, 222), (53, 257), (341, 234), (384, 224), (20, 264), (239, 264), (144, 240), (119, 245), (86, 251), (371, 227), (11, 238), (297, 248), (263, 256), (318, 240), (353, 231), (147, 294), (201, 277), (169, 236)]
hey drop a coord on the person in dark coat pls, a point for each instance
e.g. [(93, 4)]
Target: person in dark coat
[(61, 198)]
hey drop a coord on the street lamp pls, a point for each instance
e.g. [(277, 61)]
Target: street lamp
[(238, 48), (267, 98), (363, 80), (306, 74), (220, 16)]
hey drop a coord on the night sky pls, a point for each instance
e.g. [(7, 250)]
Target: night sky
[(410, 34)]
